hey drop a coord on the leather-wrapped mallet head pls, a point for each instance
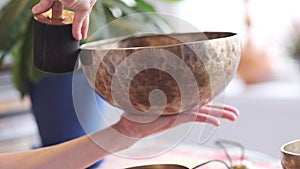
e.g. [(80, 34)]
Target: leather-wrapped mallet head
[(55, 48)]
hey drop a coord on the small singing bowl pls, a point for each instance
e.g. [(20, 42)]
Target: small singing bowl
[(290, 155), (159, 166), (161, 73)]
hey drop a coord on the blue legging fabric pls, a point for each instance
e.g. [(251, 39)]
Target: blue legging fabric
[(53, 109)]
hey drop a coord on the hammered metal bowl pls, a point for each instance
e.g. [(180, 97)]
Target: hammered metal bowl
[(164, 73), (290, 155), (159, 166)]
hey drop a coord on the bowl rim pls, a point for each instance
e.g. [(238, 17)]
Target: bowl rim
[(89, 45), (157, 166), (282, 149)]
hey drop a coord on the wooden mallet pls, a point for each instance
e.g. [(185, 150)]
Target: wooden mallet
[(55, 49)]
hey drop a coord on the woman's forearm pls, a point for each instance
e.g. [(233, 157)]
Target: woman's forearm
[(78, 153), (84, 151)]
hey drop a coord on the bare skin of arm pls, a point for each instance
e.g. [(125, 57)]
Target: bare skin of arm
[(81, 152)]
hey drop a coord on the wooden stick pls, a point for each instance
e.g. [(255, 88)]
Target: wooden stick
[(57, 10)]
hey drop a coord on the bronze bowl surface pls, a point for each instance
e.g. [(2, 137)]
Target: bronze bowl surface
[(161, 73), (290, 155), (159, 166)]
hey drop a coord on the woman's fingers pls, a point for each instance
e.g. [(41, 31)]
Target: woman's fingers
[(79, 18), (194, 117), (85, 27), (225, 107), (211, 113), (42, 6), (220, 111), (140, 126), (207, 119), (80, 23), (217, 112)]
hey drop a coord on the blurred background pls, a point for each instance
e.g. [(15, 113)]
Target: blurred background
[(266, 88)]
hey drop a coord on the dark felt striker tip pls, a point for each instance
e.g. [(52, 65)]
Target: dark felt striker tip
[(55, 49)]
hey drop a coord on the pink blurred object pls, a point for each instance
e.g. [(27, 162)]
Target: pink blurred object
[(190, 156)]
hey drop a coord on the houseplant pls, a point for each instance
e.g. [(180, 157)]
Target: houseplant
[(16, 29), (51, 96)]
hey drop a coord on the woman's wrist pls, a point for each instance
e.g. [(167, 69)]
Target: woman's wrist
[(128, 130), (114, 138)]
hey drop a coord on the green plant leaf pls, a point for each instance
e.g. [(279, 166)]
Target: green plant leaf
[(27, 56), (172, 0), (2, 55), (121, 5), (11, 21), (98, 19), (153, 18), (144, 6), (102, 19), (24, 72), (20, 69), (157, 19), (15, 51)]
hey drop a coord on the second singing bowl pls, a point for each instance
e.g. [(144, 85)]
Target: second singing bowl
[(162, 73), (290, 155), (159, 166)]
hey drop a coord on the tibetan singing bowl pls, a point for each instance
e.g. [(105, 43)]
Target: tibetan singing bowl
[(159, 166), (161, 74), (290, 155)]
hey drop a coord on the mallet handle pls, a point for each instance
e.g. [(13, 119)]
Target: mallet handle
[(57, 10)]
